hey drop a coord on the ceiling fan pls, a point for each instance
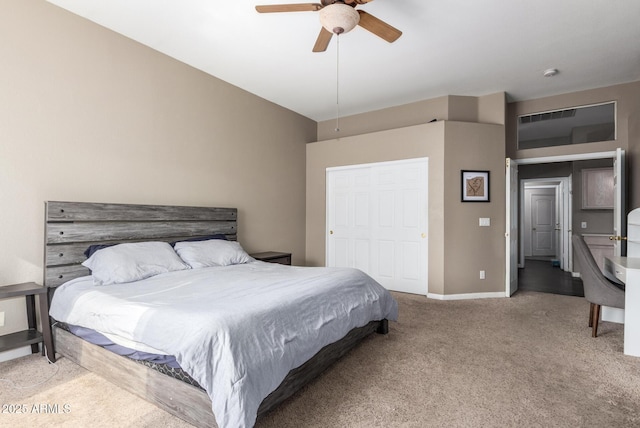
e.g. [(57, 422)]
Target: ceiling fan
[(337, 17)]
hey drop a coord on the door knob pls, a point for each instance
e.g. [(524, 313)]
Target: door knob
[(331, 232), (424, 235)]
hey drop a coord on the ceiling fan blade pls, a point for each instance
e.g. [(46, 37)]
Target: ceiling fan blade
[(378, 27), (322, 42), (298, 7)]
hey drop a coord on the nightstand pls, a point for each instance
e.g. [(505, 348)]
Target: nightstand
[(273, 257), (31, 336)]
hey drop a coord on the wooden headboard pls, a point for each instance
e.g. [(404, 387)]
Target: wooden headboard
[(70, 227)]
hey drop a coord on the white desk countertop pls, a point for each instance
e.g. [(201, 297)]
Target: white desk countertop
[(627, 269), (626, 262)]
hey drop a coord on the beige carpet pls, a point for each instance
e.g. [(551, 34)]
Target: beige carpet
[(528, 361)]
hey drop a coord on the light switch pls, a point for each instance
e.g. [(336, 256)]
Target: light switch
[(583, 225), (485, 221)]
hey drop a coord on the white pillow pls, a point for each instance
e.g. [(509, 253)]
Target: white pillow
[(214, 252), (132, 262)]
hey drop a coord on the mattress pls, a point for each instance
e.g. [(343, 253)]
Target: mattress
[(102, 340), (165, 364)]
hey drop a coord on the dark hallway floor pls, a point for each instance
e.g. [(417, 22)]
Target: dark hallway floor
[(539, 275)]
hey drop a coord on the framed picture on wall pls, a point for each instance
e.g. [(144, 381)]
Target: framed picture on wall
[(474, 186), (597, 189)]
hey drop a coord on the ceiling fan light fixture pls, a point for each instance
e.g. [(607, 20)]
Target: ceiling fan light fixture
[(339, 18)]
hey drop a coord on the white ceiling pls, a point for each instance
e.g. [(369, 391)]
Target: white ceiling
[(448, 47)]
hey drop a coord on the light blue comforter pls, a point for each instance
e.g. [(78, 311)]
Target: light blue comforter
[(237, 330)]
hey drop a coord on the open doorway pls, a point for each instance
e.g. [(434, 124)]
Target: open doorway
[(541, 223), (541, 264), (546, 211), (545, 225)]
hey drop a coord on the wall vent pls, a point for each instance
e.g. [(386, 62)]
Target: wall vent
[(558, 114)]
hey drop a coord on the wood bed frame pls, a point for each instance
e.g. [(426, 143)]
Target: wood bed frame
[(70, 227)]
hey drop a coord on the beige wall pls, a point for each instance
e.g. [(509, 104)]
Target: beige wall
[(628, 128), (89, 115), (418, 141), (470, 248), (486, 109), (458, 247), (380, 120)]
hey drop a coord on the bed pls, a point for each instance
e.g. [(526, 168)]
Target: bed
[(71, 228)]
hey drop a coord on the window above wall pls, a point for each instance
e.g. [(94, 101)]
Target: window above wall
[(575, 125)]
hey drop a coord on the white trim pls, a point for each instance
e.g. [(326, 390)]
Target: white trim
[(466, 296), (540, 186), (566, 158), (614, 102), (382, 163), (15, 353), (610, 314)]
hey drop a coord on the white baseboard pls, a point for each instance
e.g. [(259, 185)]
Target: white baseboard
[(610, 314), (15, 353), (466, 296)]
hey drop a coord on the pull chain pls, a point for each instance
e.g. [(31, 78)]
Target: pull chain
[(337, 83)]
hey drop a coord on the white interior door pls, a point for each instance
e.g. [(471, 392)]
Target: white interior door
[(565, 224), (619, 229), (619, 209), (544, 222), (377, 222), (511, 233)]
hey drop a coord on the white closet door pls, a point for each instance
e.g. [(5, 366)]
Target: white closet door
[(349, 216), (377, 222)]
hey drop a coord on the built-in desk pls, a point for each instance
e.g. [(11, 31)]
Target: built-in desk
[(627, 270)]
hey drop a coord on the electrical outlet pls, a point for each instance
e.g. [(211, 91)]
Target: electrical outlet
[(485, 221), (482, 274), (1, 319)]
